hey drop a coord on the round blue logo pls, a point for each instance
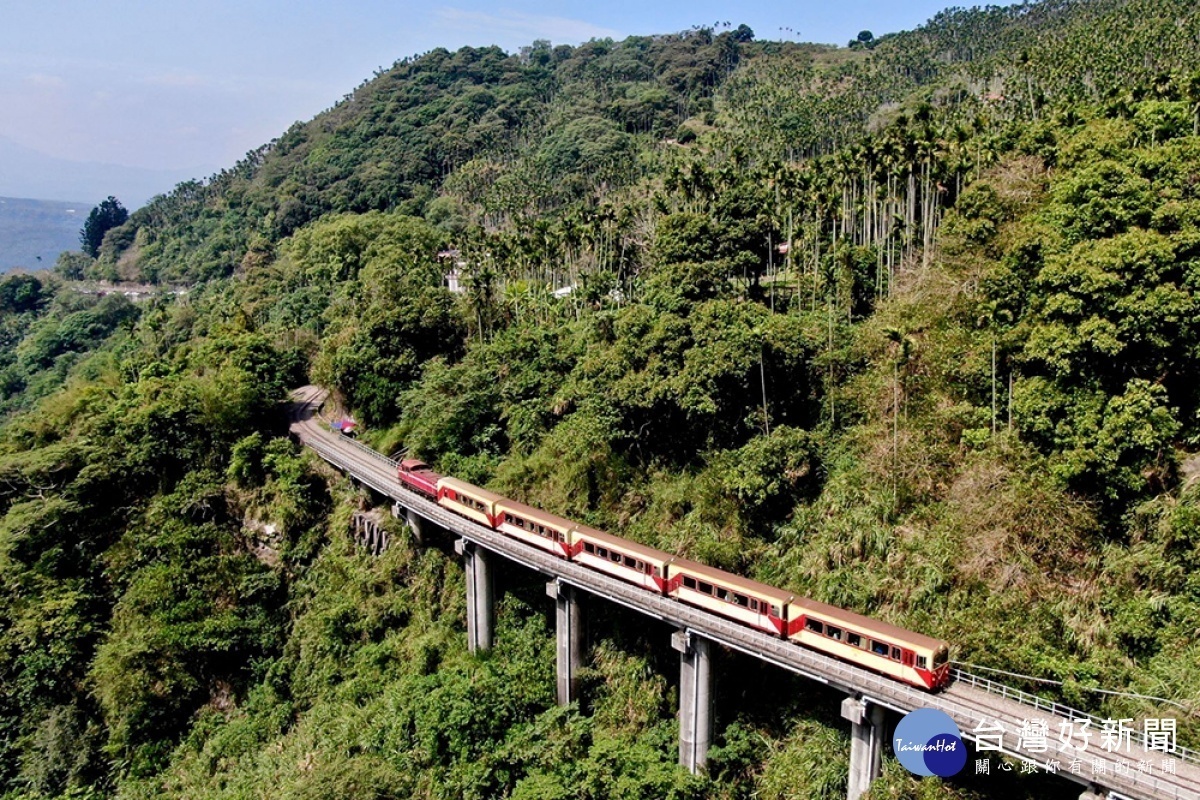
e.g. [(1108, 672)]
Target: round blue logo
[(927, 742)]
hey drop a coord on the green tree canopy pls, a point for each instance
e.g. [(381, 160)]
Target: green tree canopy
[(103, 218)]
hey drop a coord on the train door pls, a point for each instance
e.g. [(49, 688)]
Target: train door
[(906, 657)]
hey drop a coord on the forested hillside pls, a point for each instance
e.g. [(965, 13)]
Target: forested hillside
[(909, 327)]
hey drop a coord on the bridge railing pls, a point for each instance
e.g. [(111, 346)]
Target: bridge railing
[(1058, 709), (375, 454)]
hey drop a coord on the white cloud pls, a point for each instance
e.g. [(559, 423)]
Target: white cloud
[(44, 81), (176, 79), (526, 26)]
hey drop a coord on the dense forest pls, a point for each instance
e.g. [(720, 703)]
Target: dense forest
[(905, 326)]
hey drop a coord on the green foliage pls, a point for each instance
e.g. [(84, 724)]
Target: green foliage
[(102, 219), (21, 293), (389, 313), (771, 473), (72, 265)]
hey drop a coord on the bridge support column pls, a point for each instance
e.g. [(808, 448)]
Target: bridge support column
[(695, 699), (480, 595), (866, 744), (570, 650), (416, 523)]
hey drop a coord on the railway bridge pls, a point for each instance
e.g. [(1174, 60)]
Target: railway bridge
[(988, 713)]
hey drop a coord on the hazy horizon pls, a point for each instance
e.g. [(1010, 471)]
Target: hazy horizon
[(187, 91)]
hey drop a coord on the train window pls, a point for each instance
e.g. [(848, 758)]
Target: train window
[(602, 552), (895, 654), (706, 588), (658, 572), (814, 626), (588, 547), (614, 557), (753, 604), (775, 610), (689, 583), (742, 600), (833, 633), (922, 662), (630, 562), (854, 640), (879, 648)]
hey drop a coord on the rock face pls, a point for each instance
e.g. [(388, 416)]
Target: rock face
[(264, 540)]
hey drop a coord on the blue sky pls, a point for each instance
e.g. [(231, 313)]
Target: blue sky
[(179, 85)]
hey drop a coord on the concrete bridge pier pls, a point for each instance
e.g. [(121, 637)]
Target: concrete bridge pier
[(481, 607), (419, 526), (866, 744), (571, 638), (695, 699)]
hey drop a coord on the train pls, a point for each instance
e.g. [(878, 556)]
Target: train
[(904, 655)]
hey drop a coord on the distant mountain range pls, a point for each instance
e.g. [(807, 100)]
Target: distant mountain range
[(34, 232), (28, 173)]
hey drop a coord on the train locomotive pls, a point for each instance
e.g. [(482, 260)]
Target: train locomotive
[(913, 658)]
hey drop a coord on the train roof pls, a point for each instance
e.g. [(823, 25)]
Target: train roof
[(633, 548), (728, 579), (470, 490), (863, 624), (536, 514)]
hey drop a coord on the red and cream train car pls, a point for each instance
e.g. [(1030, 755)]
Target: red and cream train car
[(755, 604), (621, 558), (470, 501), (902, 654), (536, 527)]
